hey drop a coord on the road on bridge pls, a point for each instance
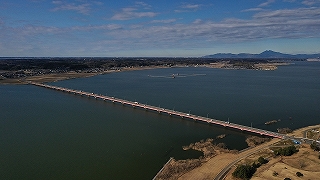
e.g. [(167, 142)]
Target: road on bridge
[(166, 111)]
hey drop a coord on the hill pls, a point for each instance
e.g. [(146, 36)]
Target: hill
[(264, 54)]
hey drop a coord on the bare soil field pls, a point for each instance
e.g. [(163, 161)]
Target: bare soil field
[(306, 161), (216, 164)]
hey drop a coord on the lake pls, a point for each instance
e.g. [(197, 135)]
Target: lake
[(47, 134)]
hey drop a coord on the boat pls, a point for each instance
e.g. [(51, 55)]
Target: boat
[(270, 122)]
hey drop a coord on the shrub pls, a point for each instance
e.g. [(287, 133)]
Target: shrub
[(287, 179), (314, 146), (244, 171), (262, 160), (286, 151), (299, 174), (256, 165), (275, 173)]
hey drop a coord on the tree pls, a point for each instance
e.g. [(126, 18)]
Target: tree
[(262, 160), (256, 165), (286, 151), (314, 146), (287, 179), (244, 171), (299, 174)]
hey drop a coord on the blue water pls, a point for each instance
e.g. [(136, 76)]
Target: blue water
[(46, 134)]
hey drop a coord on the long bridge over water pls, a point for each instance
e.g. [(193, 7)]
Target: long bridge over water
[(165, 111)]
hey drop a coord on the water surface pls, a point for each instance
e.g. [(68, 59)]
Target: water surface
[(47, 134)]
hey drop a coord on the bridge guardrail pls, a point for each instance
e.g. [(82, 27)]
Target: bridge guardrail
[(168, 111)]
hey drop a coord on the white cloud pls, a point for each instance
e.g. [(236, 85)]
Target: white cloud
[(57, 2), (161, 33), (99, 3), (267, 3), (252, 9), (79, 8), (143, 4), (310, 2), (197, 21), (132, 13), (290, 14), (108, 27), (164, 21), (295, 23), (189, 7)]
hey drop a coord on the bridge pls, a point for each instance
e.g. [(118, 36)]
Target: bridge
[(165, 111)]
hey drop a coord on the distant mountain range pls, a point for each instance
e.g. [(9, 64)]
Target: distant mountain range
[(264, 54)]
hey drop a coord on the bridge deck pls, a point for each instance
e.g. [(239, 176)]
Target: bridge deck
[(167, 111)]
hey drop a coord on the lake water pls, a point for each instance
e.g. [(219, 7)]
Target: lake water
[(45, 134)]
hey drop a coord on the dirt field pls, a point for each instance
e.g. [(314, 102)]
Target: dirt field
[(212, 167), (305, 161)]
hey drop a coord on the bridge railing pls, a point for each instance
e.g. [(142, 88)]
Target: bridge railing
[(168, 111)]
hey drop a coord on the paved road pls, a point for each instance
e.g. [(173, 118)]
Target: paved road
[(242, 155), (167, 111), (249, 152)]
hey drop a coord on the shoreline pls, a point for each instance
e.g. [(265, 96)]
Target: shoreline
[(71, 75), (222, 165), (53, 77)]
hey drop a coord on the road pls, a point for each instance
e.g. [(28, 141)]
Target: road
[(243, 155), (251, 151)]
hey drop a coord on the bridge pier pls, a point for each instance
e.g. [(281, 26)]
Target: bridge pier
[(162, 110)]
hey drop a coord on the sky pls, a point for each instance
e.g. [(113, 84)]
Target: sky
[(157, 28)]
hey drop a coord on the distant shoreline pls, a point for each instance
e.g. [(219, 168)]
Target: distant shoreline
[(53, 77), (69, 75)]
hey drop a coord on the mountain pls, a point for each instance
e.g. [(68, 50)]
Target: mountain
[(264, 54)]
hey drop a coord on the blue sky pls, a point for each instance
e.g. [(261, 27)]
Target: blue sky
[(147, 28)]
